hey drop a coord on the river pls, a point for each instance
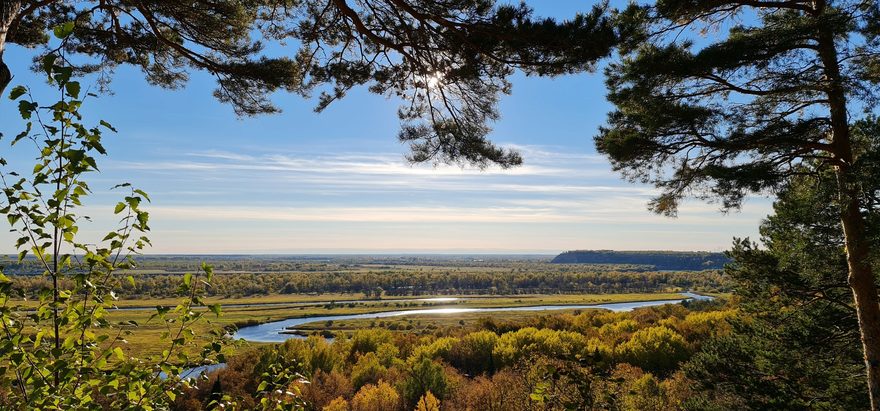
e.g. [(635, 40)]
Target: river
[(274, 332)]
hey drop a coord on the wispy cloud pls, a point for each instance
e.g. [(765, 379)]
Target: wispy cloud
[(364, 214), (254, 200), (335, 164), (351, 173), (604, 211)]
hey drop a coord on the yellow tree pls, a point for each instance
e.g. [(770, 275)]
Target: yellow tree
[(428, 402), (380, 397)]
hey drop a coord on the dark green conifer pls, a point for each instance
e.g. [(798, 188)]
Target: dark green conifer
[(722, 99)]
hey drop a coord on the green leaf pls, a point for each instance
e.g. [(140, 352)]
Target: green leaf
[(63, 74), (49, 62), (25, 108), (72, 89), (17, 92), (142, 194), (109, 127), (215, 308), (63, 30), (119, 208), (187, 279), (23, 134), (131, 280)]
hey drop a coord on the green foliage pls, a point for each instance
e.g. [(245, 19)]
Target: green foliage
[(424, 376), (312, 354), (751, 109), (528, 341), (164, 40), (276, 374), (64, 353), (367, 341), (562, 385), (157, 277), (448, 60), (798, 344), (453, 75), (618, 331), (367, 370), (737, 114), (655, 349), (474, 353), (436, 349), (388, 354)]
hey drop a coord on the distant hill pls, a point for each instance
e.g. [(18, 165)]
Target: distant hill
[(659, 260)]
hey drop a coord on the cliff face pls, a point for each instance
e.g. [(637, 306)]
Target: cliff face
[(660, 260)]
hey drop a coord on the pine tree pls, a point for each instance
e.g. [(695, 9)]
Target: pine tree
[(796, 344), (720, 99), (449, 60)]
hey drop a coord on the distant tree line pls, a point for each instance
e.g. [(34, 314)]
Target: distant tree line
[(400, 282), (657, 260), (311, 263)]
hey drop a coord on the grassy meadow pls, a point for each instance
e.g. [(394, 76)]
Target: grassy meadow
[(145, 339)]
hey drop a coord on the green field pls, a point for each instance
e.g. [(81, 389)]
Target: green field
[(145, 340)]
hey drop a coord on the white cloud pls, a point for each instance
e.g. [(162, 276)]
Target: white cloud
[(345, 174), (380, 164), (362, 214), (605, 211), (254, 201)]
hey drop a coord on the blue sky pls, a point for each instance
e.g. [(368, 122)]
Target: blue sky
[(301, 182)]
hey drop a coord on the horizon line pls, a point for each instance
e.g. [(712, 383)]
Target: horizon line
[(402, 253)]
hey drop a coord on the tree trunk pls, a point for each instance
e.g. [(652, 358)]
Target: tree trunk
[(861, 281), (861, 274), (8, 12)]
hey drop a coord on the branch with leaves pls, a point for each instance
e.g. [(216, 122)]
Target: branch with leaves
[(63, 352)]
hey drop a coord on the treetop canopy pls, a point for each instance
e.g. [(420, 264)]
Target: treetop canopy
[(449, 60)]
